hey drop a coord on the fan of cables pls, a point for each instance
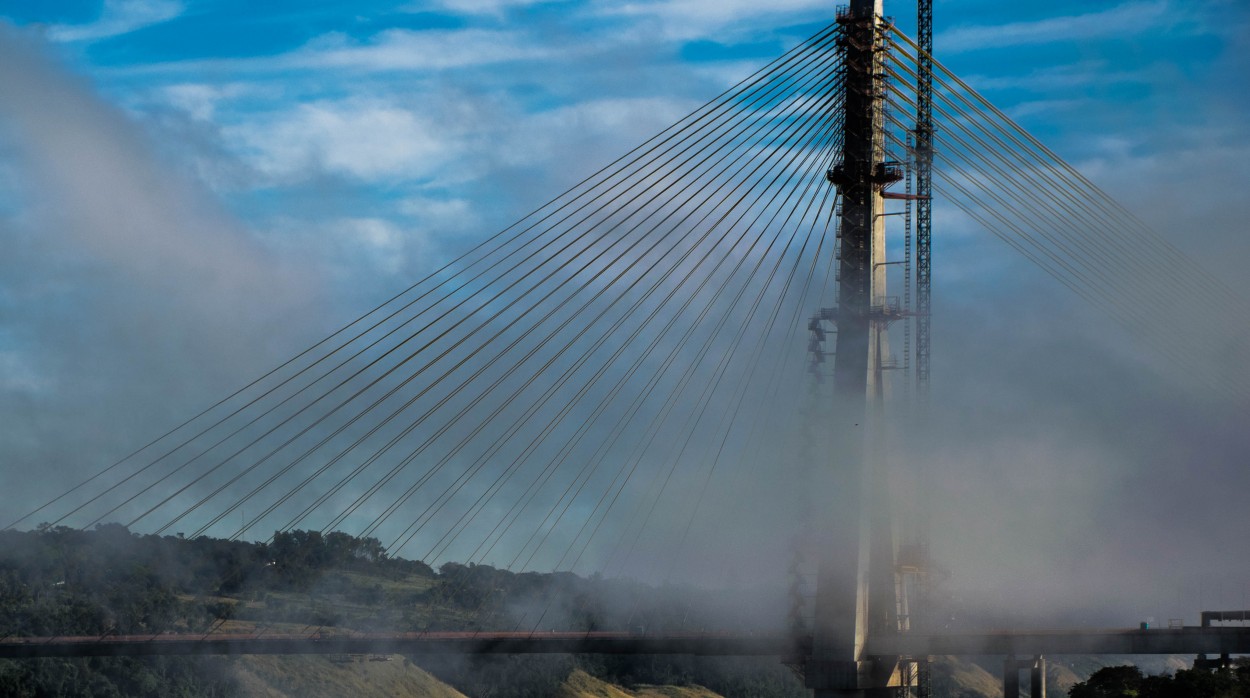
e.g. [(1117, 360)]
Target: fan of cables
[(564, 396), (1006, 180)]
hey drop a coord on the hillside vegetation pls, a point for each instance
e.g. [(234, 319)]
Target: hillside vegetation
[(62, 581)]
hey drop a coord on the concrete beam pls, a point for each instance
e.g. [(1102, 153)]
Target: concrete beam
[(1189, 640), (1036, 666), (403, 643)]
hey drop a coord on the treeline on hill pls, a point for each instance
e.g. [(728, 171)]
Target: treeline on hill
[(64, 581), (1128, 682)]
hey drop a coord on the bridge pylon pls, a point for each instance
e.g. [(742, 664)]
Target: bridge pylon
[(856, 592)]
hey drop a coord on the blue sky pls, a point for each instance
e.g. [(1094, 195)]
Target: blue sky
[(217, 184), (387, 130)]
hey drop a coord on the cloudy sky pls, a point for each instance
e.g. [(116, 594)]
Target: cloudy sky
[(193, 190)]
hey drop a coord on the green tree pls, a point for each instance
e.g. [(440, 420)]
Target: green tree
[(1110, 682)]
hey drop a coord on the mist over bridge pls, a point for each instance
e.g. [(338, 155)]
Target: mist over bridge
[(623, 331), (1118, 641)]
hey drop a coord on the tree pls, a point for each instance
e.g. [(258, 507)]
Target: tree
[(1110, 682)]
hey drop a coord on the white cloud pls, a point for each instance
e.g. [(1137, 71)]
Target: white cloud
[(199, 100), (702, 19), (726, 74), (596, 129), (448, 139), (1026, 110), (390, 50), (493, 8), (441, 215), (401, 49), (349, 248), (118, 17), (640, 115), (1065, 78), (1123, 20), (359, 138), (382, 240)]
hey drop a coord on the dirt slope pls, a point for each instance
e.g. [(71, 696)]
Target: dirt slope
[(583, 685), (336, 676)]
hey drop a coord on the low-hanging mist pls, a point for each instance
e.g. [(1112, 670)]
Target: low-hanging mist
[(1067, 473)]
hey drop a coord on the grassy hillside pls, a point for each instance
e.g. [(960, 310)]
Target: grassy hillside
[(579, 684), (393, 675), (960, 678)]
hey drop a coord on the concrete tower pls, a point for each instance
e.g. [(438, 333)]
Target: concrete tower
[(855, 595)]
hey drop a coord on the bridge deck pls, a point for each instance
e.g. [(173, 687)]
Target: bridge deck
[(1191, 640), (402, 643)]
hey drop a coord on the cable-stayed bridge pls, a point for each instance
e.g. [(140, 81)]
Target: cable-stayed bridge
[(747, 289)]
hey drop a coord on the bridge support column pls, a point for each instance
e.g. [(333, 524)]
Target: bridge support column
[(1037, 676), (1011, 678), (1224, 661), (855, 589)]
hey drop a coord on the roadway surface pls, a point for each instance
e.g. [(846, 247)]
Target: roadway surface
[(1190, 640), (400, 643)]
